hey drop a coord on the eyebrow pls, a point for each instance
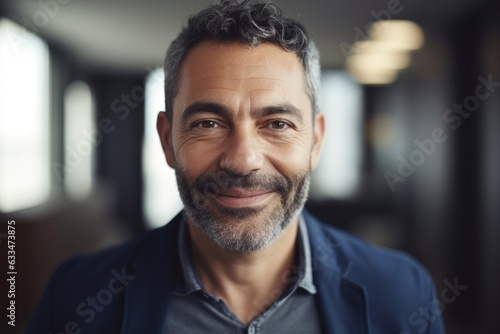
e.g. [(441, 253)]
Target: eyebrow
[(284, 109), (203, 107), (219, 109)]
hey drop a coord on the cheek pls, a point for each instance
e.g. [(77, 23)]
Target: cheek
[(291, 160)]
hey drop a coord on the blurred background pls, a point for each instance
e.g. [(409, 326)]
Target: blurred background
[(411, 93)]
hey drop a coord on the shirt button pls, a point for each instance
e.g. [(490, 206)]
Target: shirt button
[(251, 330)]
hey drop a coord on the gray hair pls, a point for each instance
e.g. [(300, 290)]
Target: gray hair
[(251, 22)]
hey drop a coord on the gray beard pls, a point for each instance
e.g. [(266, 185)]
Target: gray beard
[(234, 229)]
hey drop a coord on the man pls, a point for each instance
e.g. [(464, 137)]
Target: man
[(243, 131)]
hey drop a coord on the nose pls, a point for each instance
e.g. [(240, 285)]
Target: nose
[(243, 153)]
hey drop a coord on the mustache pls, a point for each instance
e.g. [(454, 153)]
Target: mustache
[(214, 183)]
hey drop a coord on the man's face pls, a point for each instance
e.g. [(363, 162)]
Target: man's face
[(242, 142)]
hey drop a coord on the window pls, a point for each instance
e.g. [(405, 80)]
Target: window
[(80, 139), (161, 197), (24, 119), (339, 171)]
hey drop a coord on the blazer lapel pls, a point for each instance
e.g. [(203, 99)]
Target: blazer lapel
[(343, 307), (148, 295), (342, 303)]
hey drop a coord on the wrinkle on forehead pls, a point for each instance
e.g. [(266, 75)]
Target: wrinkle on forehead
[(227, 73), (224, 62), (235, 83)]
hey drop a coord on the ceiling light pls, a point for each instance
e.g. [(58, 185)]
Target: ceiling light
[(375, 77), (374, 61), (399, 34)]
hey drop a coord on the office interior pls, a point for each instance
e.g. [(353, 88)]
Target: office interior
[(411, 160)]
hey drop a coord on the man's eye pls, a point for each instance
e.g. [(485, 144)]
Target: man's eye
[(278, 125), (206, 124)]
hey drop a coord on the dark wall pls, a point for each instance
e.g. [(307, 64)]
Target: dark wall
[(471, 188)]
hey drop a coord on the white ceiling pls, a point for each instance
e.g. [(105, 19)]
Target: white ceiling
[(131, 35)]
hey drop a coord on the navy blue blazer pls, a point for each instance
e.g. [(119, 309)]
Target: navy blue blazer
[(126, 289)]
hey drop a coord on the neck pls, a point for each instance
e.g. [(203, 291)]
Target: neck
[(247, 282)]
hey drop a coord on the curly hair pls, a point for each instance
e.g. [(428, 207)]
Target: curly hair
[(251, 22)]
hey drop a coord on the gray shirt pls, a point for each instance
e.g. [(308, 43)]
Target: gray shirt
[(194, 310)]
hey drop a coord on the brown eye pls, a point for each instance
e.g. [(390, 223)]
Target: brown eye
[(207, 124), (278, 125)]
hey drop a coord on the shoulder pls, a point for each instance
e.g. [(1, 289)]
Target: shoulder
[(387, 275), (398, 292)]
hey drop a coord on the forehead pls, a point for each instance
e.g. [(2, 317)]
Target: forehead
[(214, 71)]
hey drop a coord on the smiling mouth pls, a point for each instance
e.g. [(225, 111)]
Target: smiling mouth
[(236, 198)]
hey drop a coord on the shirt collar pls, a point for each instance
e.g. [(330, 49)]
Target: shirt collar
[(302, 269), (305, 279)]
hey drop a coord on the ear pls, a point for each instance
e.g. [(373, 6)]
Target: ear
[(319, 132), (165, 132)]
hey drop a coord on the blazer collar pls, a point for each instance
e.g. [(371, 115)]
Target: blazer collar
[(342, 302)]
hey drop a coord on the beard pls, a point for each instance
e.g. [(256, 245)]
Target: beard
[(244, 229)]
